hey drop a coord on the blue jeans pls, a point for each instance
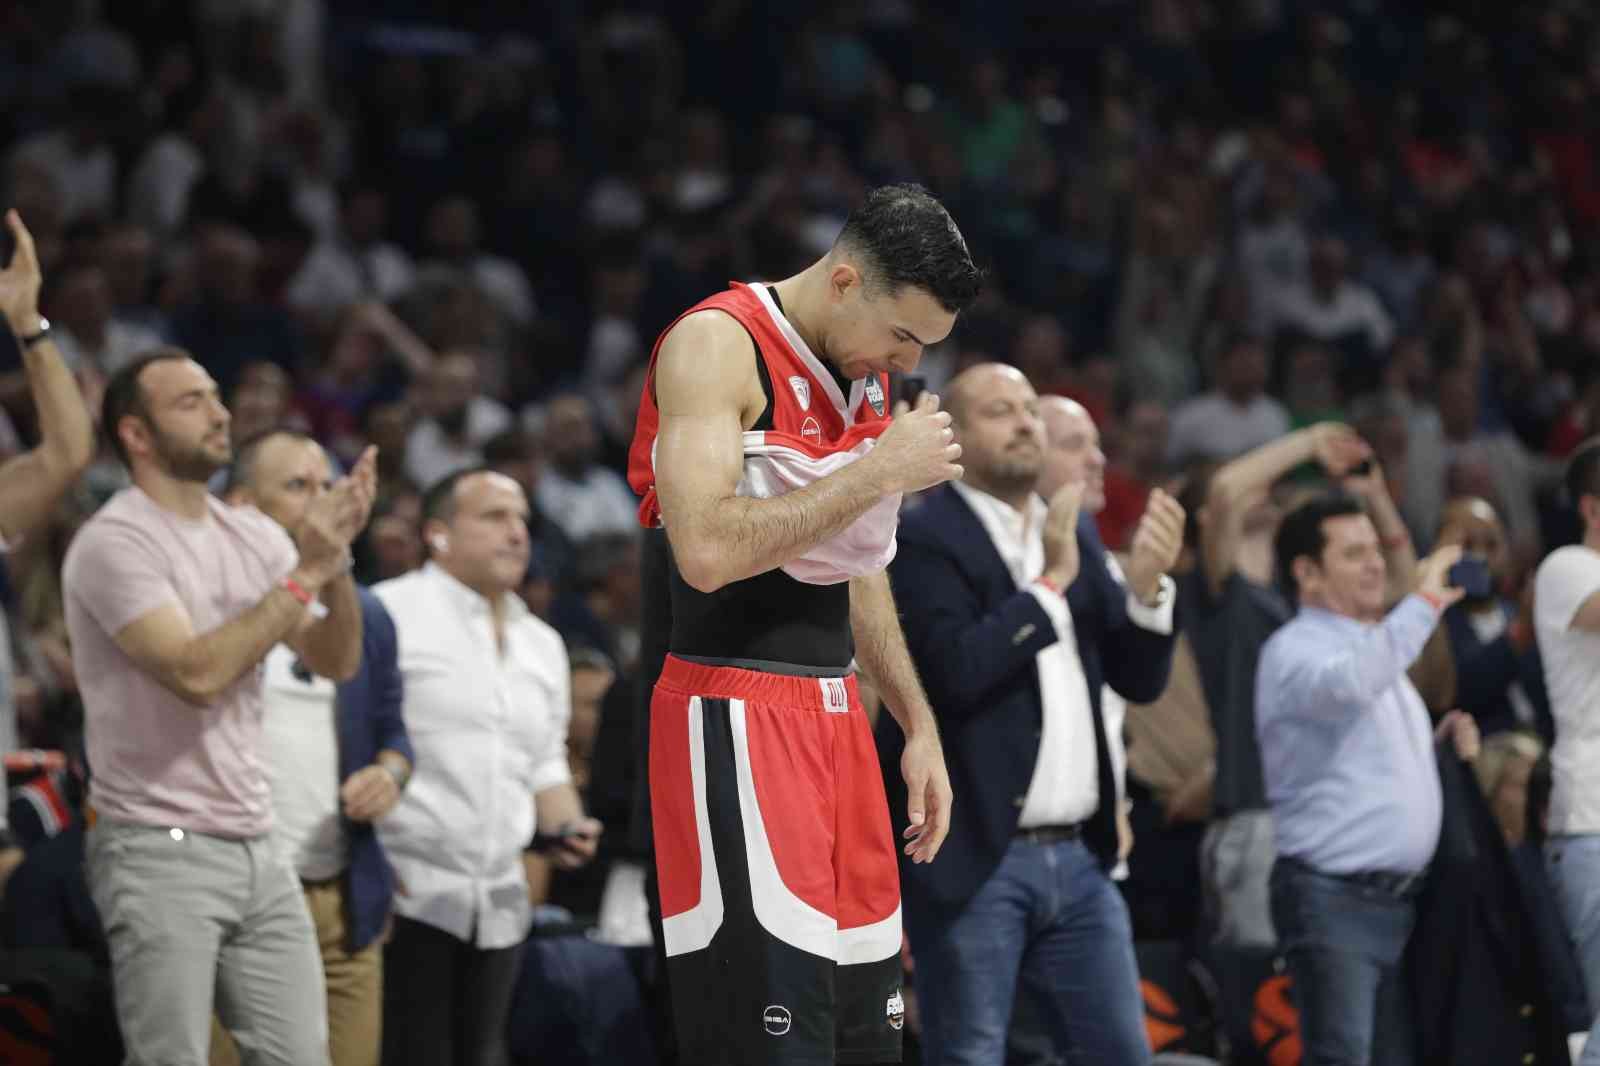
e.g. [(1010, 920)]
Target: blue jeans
[(1574, 865), (1344, 943), (1050, 914)]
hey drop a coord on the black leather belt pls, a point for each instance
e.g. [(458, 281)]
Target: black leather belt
[(1389, 882), (1398, 885), (1050, 834)]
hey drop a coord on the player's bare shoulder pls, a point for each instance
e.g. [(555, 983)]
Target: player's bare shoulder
[(706, 361)]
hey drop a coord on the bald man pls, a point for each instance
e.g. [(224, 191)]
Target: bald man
[(1016, 620), (1072, 452), (1499, 676)]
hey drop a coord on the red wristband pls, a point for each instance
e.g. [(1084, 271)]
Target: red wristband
[(1047, 583), (1433, 601), (297, 591)]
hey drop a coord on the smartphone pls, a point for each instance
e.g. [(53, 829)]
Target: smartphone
[(1471, 575), (550, 841), (909, 388)]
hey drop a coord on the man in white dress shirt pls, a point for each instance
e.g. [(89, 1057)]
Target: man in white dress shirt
[(487, 701)]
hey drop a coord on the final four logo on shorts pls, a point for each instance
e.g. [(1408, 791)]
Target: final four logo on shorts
[(802, 391), (875, 393), (896, 1010)]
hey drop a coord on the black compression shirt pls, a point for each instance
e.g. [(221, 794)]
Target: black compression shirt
[(769, 618)]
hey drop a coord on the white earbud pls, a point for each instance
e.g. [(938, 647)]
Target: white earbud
[(440, 542)]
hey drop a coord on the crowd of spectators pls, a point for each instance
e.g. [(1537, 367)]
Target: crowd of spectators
[(455, 234)]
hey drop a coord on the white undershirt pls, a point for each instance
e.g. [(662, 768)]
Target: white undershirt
[(1066, 777), (303, 761)]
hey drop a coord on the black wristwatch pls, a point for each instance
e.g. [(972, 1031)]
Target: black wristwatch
[(34, 338)]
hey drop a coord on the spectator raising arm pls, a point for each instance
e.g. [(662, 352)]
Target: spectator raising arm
[(31, 483), (1240, 484)]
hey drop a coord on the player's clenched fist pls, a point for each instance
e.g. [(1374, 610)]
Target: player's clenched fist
[(918, 450)]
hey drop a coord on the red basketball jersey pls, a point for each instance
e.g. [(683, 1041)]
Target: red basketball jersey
[(816, 429)]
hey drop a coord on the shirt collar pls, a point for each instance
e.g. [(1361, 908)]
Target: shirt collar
[(468, 599), (1018, 523)]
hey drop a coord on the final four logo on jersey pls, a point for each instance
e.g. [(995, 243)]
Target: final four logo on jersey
[(875, 393), (802, 391)]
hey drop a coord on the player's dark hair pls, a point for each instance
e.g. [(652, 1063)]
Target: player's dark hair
[(904, 236)]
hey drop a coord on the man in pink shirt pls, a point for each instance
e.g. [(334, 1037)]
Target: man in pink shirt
[(173, 600)]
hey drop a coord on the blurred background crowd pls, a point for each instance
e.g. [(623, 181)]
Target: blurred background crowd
[(456, 233)]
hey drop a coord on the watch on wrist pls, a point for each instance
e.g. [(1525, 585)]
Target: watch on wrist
[(393, 770), (28, 340)]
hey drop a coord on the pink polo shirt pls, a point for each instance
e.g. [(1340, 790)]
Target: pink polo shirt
[(154, 759)]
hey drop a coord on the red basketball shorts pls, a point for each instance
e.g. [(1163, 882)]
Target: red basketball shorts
[(780, 892)]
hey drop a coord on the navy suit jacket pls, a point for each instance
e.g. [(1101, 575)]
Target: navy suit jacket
[(369, 722), (974, 637)]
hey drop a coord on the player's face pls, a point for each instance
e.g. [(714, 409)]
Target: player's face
[(885, 332)]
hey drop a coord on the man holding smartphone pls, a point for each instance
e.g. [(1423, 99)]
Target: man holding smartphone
[(487, 702)]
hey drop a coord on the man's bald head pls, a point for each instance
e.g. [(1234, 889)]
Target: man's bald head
[(995, 415), (1072, 451), (977, 381)]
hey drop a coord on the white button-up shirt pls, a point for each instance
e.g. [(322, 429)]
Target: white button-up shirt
[(1066, 778), (489, 730)]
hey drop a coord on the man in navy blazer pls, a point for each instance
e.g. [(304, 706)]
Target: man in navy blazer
[(339, 757), (990, 580)]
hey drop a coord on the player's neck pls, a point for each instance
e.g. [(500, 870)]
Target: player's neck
[(802, 297), (1591, 538)]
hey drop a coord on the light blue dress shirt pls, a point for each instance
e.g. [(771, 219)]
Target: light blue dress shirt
[(1346, 742)]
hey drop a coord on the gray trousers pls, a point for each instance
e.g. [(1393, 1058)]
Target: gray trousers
[(197, 923)]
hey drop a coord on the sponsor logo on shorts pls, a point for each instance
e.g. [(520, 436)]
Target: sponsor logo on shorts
[(776, 1019), (896, 1010), (802, 391), (810, 430), (875, 394)]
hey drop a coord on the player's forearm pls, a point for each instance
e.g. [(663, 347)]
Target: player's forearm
[(881, 651), (739, 537)]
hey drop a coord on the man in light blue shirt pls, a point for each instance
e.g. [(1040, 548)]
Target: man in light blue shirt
[(1348, 761)]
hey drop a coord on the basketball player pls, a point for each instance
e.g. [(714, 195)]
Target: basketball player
[(765, 449)]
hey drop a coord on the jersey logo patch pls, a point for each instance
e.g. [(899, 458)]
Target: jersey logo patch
[(802, 391), (810, 430), (875, 394), (896, 1010), (776, 1019)]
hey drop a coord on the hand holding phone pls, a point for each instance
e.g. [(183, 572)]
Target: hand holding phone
[(908, 388), (1471, 575)]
